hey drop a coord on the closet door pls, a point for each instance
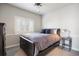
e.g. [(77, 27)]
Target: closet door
[(2, 40)]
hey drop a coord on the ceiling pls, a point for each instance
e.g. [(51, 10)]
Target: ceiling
[(45, 8)]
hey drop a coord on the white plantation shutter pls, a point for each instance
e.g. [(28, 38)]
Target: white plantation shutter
[(31, 26), (23, 25)]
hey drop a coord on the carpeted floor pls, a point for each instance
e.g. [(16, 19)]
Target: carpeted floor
[(58, 51)]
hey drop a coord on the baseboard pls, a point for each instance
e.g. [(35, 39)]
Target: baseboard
[(75, 49), (14, 45)]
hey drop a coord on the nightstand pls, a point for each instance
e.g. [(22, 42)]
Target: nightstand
[(65, 43)]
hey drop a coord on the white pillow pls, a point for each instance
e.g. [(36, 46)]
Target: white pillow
[(54, 31)]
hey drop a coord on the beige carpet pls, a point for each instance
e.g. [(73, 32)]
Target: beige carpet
[(54, 52)]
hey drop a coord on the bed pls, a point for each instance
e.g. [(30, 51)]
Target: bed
[(33, 43)]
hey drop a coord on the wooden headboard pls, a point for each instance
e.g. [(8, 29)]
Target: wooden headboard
[(58, 31)]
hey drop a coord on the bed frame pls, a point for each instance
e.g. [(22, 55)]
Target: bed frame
[(29, 47)]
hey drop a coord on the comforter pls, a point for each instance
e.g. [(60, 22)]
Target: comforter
[(42, 41)]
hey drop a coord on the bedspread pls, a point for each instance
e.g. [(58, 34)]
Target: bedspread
[(42, 41)]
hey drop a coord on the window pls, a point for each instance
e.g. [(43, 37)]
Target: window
[(23, 25)]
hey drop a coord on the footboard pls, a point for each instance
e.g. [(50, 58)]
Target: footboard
[(27, 45)]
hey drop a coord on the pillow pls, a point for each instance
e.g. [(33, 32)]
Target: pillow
[(46, 31), (43, 31), (54, 31)]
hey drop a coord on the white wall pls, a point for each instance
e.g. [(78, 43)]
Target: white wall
[(8, 14), (65, 18)]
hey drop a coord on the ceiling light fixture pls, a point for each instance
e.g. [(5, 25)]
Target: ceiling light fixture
[(38, 4)]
